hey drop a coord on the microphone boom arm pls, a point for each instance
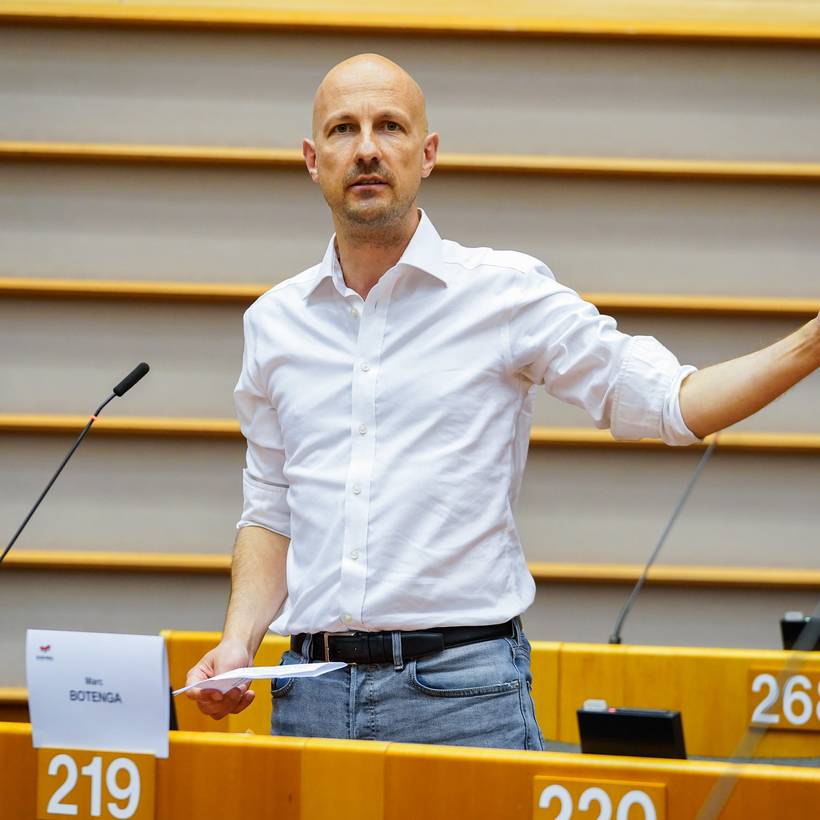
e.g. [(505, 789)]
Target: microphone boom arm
[(126, 384), (615, 637)]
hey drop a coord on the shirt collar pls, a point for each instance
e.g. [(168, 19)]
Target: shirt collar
[(422, 252)]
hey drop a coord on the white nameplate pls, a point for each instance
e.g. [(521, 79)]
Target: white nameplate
[(92, 690)]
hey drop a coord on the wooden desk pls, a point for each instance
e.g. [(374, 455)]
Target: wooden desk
[(709, 686), (213, 776)]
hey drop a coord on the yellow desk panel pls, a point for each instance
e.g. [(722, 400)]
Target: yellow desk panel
[(481, 784), (219, 777), (343, 778), (212, 776), (18, 772), (709, 687)]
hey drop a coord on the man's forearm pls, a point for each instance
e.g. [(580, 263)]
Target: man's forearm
[(258, 585), (719, 396)]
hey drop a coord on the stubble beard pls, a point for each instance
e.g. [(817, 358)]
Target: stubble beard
[(371, 221), (377, 226)]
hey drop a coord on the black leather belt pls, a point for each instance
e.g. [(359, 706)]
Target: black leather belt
[(377, 647)]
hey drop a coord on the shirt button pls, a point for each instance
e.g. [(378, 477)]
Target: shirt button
[(354, 313), (355, 555), (356, 489), (363, 429), (347, 617), (365, 366)]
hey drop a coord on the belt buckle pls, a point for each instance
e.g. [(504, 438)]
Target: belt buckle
[(325, 641)]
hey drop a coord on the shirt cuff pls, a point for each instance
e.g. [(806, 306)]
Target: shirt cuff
[(647, 401), (265, 505), (673, 428)]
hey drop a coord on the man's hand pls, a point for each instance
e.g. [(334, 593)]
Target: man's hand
[(258, 590), (227, 655)]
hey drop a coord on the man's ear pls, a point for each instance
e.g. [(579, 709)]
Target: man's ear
[(430, 155), (309, 153)]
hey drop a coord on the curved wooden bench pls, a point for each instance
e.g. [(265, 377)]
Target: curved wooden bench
[(10, 423), (697, 681), (539, 165), (737, 20), (244, 294), (544, 573)]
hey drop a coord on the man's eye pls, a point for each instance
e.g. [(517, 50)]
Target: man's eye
[(341, 128), (392, 126)]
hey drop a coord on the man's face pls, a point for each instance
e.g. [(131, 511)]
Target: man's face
[(371, 147)]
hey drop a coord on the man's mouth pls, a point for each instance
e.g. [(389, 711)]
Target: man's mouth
[(368, 182)]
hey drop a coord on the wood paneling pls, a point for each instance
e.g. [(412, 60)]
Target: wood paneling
[(788, 20)]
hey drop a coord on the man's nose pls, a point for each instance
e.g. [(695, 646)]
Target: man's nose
[(368, 148)]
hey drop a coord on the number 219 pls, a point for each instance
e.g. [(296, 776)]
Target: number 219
[(94, 770)]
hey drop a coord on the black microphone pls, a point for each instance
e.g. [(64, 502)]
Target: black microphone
[(131, 379), (615, 637), (123, 387)]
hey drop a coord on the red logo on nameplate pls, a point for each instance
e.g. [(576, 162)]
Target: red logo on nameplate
[(44, 652)]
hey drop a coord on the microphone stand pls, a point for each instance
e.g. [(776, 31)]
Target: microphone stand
[(126, 384), (615, 637)]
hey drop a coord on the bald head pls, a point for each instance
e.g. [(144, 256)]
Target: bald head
[(371, 76), (370, 147)]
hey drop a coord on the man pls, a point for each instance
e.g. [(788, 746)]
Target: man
[(385, 396)]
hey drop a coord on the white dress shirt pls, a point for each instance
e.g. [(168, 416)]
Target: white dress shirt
[(387, 436)]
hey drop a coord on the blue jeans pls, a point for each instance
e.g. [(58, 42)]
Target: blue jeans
[(472, 695)]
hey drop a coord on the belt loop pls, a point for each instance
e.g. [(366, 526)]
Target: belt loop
[(307, 643), (518, 630), (398, 660)]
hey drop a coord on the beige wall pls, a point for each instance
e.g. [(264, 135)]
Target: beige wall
[(540, 96), (527, 95), (245, 225)]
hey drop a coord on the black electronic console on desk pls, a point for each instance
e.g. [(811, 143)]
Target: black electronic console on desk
[(606, 730), (792, 625)]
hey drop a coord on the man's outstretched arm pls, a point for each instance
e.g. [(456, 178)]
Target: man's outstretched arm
[(716, 397), (258, 588)]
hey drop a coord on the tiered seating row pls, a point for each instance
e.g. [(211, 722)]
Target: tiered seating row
[(711, 688), (795, 172), (224, 293), (542, 571), (786, 21), (540, 436), (233, 777)]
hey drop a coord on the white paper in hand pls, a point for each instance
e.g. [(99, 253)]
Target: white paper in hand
[(226, 681)]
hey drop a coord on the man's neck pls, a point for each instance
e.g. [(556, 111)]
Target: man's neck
[(365, 255)]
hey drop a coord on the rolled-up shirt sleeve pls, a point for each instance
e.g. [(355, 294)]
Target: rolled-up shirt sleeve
[(264, 486), (630, 384)]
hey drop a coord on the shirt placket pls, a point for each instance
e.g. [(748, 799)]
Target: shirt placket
[(372, 315)]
